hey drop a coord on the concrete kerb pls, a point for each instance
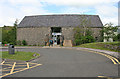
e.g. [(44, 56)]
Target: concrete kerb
[(33, 59), (12, 60), (114, 54), (24, 47), (20, 60)]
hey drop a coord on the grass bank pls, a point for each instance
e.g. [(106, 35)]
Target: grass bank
[(100, 45), (19, 55)]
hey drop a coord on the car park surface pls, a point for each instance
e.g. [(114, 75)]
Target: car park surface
[(62, 62)]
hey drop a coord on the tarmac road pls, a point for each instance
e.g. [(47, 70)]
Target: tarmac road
[(60, 62)]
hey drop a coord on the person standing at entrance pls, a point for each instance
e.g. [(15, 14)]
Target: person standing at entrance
[(46, 39), (50, 42), (61, 40)]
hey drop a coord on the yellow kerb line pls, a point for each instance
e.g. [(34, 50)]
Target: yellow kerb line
[(102, 76), (28, 65), (113, 59), (109, 58), (116, 60), (2, 62), (12, 68)]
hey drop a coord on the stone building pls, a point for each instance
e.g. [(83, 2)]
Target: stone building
[(34, 29)]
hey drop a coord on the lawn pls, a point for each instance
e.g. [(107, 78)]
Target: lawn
[(19, 55), (100, 45)]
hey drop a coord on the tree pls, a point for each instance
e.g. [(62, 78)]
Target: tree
[(12, 33), (118, 36), (101, 35), (9, 34), (83, 35), (5, 36), (79, 37), (84, 23), (109, 31), (0, 34), (88, 32)]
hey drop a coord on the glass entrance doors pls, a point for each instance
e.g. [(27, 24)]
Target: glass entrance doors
[(56, 38), (56, 33)]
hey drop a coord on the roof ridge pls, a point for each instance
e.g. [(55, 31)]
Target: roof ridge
[(62, 15)]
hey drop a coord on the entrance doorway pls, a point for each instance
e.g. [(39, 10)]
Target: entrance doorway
[(56, 33)]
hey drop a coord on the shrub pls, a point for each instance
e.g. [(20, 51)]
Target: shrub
[(19, 42), (78, 41), (24, 42), (34, 45), (80, 38), (4, 42), (84, 39), (115, 38), (118, 37), (89, 39)]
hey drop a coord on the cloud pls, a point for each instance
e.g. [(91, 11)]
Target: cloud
[(108, 13), (80, 3), (106, 9), (27, 2), (11, 10), (73, 10)]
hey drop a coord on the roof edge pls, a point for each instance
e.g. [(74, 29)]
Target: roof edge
[(62, 15)]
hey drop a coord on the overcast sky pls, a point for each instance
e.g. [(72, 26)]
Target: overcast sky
[(10, 10)]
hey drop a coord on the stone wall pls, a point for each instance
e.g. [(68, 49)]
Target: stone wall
[(96, 33), (36, 36), (68, 33), (33, 36)]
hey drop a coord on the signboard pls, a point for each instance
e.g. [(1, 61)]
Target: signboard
[(56, 34)]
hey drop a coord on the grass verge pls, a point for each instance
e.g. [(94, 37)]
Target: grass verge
[(19, 55), (99, 45)]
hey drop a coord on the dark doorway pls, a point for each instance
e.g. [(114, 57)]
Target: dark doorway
[(56, 29), (58, 39), (56, 33)]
